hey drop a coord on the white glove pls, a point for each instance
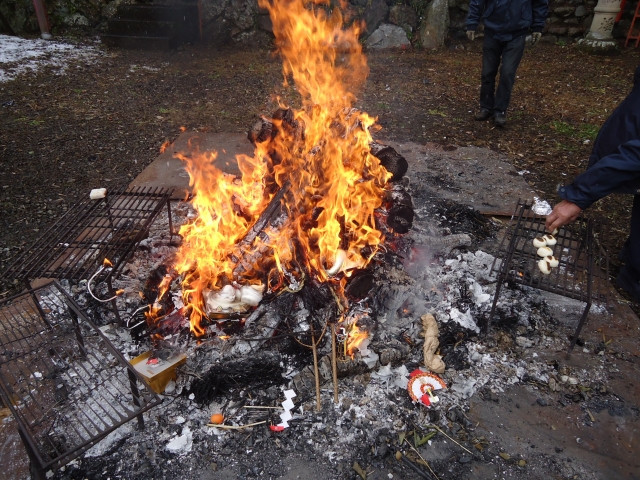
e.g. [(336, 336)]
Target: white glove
[(535, 38), (471, 35)]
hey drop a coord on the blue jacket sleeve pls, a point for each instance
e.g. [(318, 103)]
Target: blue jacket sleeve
[(620, 169), (540, 11), (476, 9)]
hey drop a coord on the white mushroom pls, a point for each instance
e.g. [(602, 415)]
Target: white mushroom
[(539, 242), (544, 252), (97, 193), (544, 266), (550, 239), (341, 256), (553, 261)]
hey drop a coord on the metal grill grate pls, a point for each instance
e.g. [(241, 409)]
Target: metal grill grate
[(583, 267), (65, 383), (90, 231)]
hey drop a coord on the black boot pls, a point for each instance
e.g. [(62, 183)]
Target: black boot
[(483, 115), (500, 119)]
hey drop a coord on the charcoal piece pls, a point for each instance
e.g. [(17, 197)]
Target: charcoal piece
[(395, 163), (150, 290), (394, 355), (360, 285), (261, 131), (400, 218), (255, 373), (399, 196)]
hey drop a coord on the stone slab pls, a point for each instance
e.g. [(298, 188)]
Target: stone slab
[(472, 176), (168, 171)]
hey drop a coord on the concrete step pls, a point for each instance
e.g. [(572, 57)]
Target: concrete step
[(159, 13), (147, 28), (139, 42)]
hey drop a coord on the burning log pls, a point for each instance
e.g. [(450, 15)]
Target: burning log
[(395, 163)]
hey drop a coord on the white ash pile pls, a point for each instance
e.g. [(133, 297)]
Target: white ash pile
[(374, 409)]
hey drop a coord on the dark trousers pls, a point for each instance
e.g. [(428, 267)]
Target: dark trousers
[(492, 52), (632, 259)]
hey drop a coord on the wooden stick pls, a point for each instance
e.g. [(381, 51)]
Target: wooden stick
[(438, 428), (421, 458), (234, 427), (315, 369), (257, 406), (334, 363)]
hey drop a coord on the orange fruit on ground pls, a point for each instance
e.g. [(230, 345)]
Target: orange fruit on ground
[(217, 418)]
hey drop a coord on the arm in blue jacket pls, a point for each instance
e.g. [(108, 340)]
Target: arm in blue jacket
[(620, 169), (540, 11), (476, 9)]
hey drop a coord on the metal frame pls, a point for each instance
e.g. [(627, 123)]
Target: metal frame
[(581, 260), (75, 246), (63, 380)]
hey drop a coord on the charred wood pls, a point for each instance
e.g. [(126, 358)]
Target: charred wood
[(395, 163), (400, 218), (260, 371)]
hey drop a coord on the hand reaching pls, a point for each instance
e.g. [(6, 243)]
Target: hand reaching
[(535, 38), (563, 213)]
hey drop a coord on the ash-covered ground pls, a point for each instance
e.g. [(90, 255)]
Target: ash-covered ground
[(375, 430)]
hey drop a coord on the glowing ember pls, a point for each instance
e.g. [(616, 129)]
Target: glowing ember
[(318, 159), (354, 338)]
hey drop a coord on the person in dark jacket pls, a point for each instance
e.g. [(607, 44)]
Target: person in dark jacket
[(614, 167), (506, 24)]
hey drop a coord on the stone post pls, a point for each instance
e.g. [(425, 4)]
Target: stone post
[(599, 38)]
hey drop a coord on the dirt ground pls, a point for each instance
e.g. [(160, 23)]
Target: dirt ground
[(102, 123)]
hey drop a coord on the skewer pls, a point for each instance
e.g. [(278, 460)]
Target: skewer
[(334, 363), (260, 406), (315, 369), (235, 427)]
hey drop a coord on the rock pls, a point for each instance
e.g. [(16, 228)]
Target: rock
[(435, 26), (465, 458), (109, 10), (388, 36), (581, 11), (76, 20), (375, 14), (575, 32), (557, 30), (264, 23), (403, 15), (542, 402), (573, 381), (217, 32), (524, 342), (564, 11), (241, 13), (564, 378)]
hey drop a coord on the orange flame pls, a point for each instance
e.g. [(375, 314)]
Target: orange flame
[(329, 166), (152, 315), (354, 338), (164, 146)]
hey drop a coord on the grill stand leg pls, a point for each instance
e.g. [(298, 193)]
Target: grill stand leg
[(76, 328), (136, 395), (37, 302), (495, 301), (574, 339), (36, 471), (114, 305), (170, 221)]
